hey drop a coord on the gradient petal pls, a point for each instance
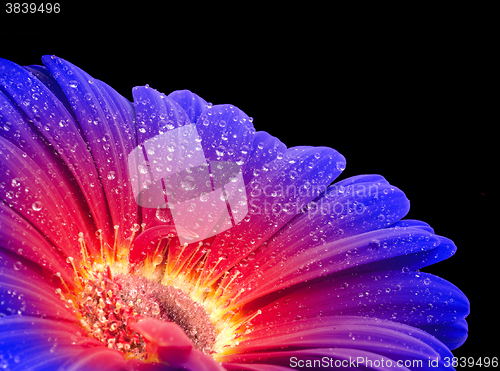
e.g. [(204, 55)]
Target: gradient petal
[(107, 121), (307, 171), (382, 338), (413, 298), (59, 128), (26, 290), (347, 208)]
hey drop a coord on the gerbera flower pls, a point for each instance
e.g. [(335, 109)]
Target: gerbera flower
[(168, 234)]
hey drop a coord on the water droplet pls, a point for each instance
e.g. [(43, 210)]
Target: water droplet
[(73, 84), (18, 265), (111, 175), (37, 206), (340, 165), (15, 183), (374, 244), (427, 281), (7, 126)]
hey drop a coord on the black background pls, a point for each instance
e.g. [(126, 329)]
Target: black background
[(415, 107)]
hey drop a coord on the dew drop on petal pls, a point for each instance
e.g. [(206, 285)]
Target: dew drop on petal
[(37, 206), (111, 175), (18, 265)]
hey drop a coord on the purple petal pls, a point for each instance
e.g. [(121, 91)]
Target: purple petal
[(355, 252), (265, 150)]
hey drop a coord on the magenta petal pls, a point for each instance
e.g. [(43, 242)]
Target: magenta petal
[(33, 194), (20, 237), (173, 346)]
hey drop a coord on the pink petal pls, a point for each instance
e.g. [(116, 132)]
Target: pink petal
[(173, 346)]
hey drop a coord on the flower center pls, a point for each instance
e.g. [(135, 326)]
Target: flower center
[(111, 291), (154, 300)]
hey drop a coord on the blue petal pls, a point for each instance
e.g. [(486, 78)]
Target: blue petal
[(452, 334), (156, 113)]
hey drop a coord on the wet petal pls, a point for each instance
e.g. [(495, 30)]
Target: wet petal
[(19, 236), (59, 128), (413, 298), (347, 208), (274, 198), (265, 150), (156, 116), (357, 252)]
